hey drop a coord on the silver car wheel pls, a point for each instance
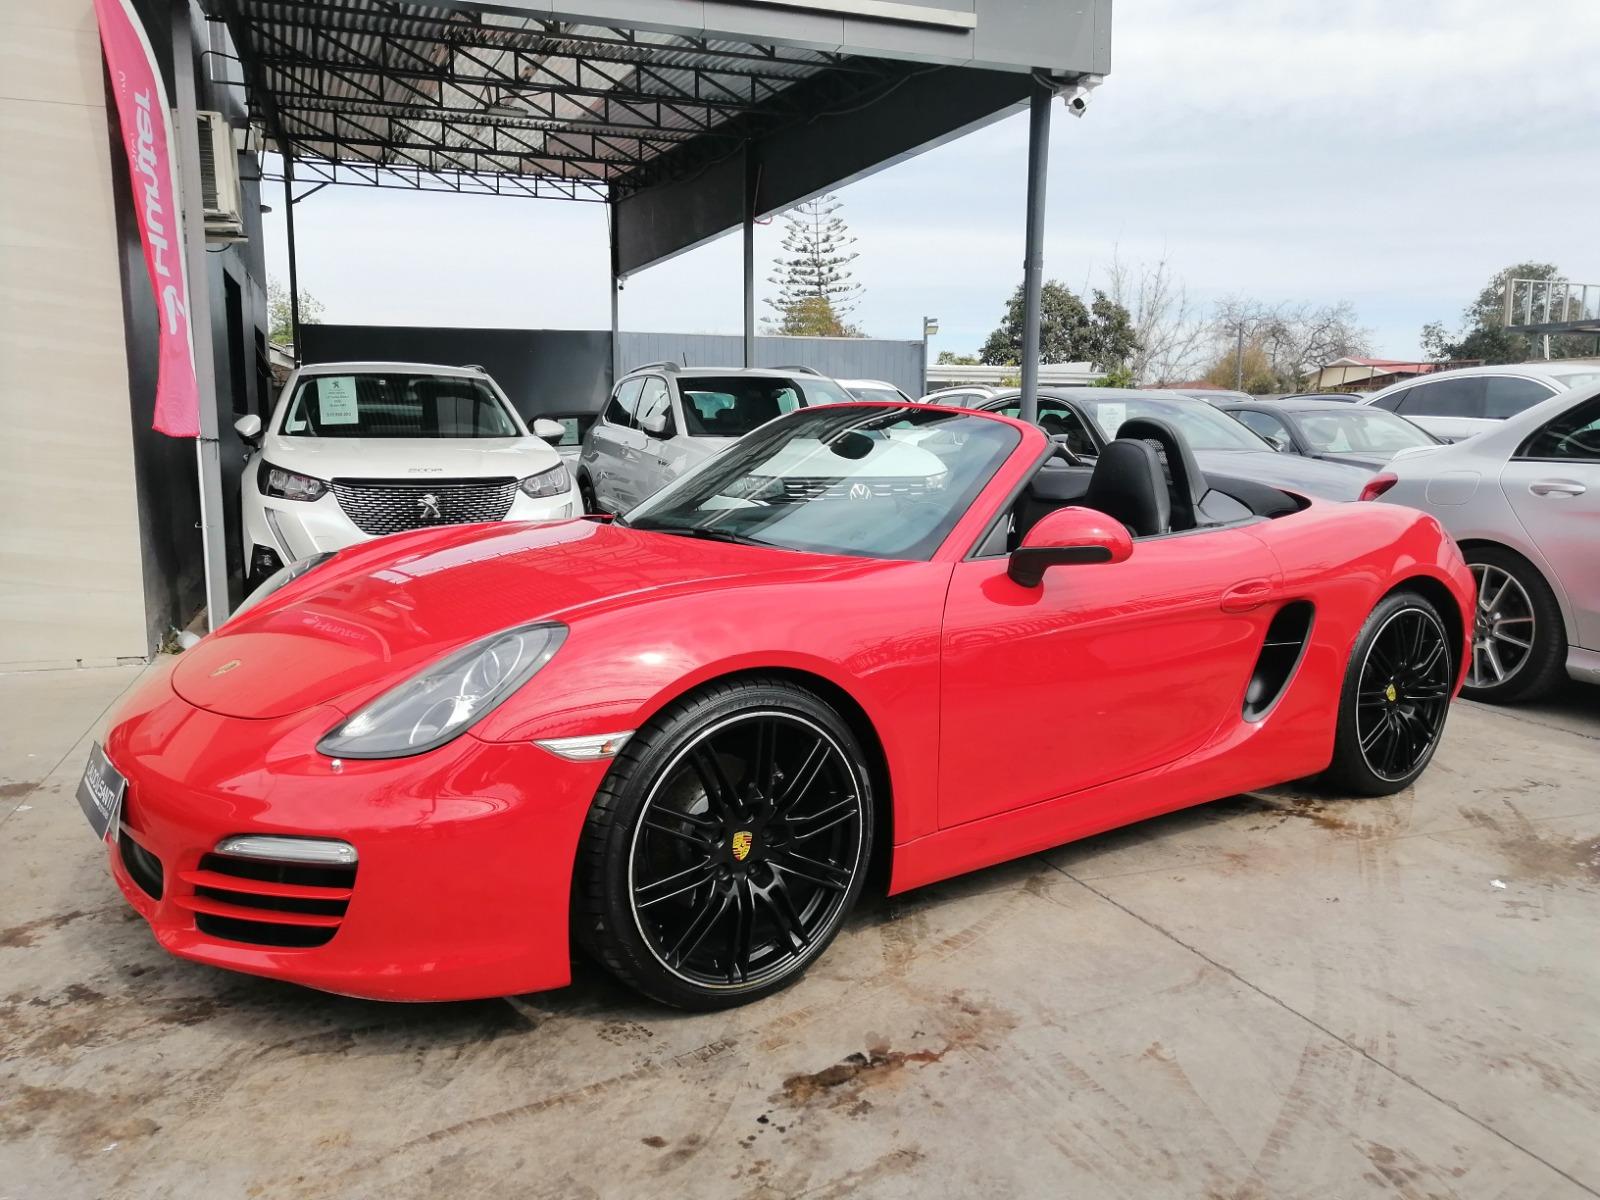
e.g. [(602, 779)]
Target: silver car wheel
[(1503, 629)]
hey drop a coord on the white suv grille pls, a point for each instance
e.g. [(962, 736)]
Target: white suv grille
[(379, 506)]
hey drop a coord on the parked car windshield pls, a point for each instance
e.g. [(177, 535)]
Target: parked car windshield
[(879, 395), (1573, 377), (1370, 430), (878, 481), (396, 406), (1203, 427), (733, 405)]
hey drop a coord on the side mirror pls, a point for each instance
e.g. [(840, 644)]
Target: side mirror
[(550, 431), (1068, 537), (1278, 442), (249, 428), (657, 424)]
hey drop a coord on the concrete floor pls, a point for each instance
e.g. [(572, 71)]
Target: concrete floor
[(1276, 995)]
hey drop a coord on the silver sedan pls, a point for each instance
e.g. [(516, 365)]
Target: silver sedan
[(1523, 500)]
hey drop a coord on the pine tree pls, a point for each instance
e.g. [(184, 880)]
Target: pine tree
[(816, 291)]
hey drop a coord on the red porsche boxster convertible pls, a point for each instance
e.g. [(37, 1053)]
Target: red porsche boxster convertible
[(923, 638)]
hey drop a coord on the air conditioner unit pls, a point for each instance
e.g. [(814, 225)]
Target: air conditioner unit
[(219, 179)]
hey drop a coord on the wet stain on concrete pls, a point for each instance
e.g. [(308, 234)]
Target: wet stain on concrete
[(1535, 856), (87, 1123), (15, 791), (622, 1033), (859, 1069), (22, 936), (655, 1141)]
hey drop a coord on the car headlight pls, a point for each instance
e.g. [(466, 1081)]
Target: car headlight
[(282, 577), (554, 482), (447, 698), (289, 485)]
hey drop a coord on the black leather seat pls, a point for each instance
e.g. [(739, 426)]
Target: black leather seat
[(1129, 485)]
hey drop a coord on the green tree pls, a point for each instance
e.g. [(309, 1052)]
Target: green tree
[(949, 358), (1117, 377), (817, 290), (280, 315), (811, 316), (1101, 333), (1259, 377), (1483, 333)]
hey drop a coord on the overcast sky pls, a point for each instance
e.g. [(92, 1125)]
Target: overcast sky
[(1394, 153)]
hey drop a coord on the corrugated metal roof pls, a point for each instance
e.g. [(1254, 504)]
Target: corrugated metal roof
[(411, 93)]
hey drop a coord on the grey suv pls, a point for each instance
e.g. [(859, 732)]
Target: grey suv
[(663, 420)]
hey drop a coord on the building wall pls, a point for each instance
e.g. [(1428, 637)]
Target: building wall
[(71, 579)]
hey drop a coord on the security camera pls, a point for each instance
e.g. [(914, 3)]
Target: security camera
[(1076, 96)]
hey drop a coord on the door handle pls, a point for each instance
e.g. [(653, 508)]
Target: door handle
[(1247, 596), (1557, 487)]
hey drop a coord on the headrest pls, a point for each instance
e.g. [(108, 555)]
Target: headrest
[(1188, 483)]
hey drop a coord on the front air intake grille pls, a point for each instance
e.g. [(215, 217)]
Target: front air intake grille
[(380, 506), (268, 903), (143, 867)]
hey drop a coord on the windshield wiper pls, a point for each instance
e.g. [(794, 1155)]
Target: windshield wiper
[(709, 535)]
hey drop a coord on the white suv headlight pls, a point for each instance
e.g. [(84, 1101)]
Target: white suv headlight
[(554, 482), (444, 700)]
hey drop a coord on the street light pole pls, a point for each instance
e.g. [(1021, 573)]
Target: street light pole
[(930, 326)]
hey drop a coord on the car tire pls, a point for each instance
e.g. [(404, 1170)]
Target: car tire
[(1527, 600), (726, 845), (586, 496), (1394, 699)]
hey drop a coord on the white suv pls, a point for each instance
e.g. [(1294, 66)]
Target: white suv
[(358, 450), (1453, 405), (663, 420)]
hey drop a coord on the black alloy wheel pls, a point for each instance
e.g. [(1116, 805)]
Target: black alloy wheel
[(726, 846), (1404, 692), (1395, 699), (586, 497)]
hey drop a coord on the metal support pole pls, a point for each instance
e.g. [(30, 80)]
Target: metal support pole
[(616, 298), (1238, 360), (1033, 251), (294, 271), (186, 132), (750, 183)]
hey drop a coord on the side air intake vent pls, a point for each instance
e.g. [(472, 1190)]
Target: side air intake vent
[(1286, 642)]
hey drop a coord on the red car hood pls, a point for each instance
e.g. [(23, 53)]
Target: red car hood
[(379, 612)]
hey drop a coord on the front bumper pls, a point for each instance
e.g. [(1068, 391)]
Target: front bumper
[(465, 853), (299, 528)]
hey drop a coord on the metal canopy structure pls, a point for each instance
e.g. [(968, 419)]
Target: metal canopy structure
[(440, 98), (688, 118)]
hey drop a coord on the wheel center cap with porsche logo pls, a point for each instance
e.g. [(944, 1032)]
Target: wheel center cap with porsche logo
[(1391, 693), (742, 841)]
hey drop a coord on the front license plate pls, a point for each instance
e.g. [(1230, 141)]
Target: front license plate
[(100, 792)]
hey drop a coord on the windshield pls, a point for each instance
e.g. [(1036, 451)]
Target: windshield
[(1359, 430), (732, 406), (878, 395), (1575, 377), (1203, 427), (396, 406), (882, 482)]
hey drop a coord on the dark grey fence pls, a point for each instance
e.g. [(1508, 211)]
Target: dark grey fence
[(569, 370)]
